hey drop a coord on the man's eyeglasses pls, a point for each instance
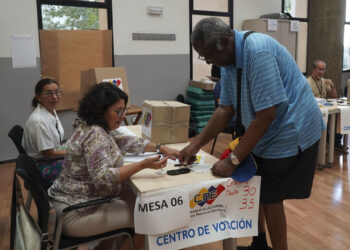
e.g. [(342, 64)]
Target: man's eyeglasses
[(52, 93), (121, 112), (208, 58)]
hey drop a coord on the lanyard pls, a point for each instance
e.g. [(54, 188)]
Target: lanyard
[(319, 90)]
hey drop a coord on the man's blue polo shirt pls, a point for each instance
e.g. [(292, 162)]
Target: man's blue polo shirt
[(271, 77)]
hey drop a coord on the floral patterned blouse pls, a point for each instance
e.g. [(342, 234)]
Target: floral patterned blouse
[(91, 166)]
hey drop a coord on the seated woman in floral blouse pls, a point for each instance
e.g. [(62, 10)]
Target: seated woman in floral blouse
[(94, 168)]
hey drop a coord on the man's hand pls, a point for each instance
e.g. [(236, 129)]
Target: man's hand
[(329, 82), (188, 154), (223, 168)]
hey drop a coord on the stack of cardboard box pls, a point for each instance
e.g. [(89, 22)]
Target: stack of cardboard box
[(202, 104)]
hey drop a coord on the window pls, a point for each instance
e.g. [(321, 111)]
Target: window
[(75, 14), (200, 9), (346, 46), (299, 11), (297, 8), (80, 32)]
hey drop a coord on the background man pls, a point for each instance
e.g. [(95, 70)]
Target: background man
[(321, 87), (282, 120)]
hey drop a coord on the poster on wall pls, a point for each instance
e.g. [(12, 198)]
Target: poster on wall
[(116, 82), (23, 51)]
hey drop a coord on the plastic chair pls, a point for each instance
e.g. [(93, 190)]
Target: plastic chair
[(34, 182)]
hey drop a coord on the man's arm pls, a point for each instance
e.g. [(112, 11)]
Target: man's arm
[(333, 92), (255, 131), (220, 118)]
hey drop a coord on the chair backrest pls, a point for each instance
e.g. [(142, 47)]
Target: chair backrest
[(16, 135)]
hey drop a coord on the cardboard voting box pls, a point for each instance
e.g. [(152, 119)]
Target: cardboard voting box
[(165, 121), (206, 85), (114, 75)]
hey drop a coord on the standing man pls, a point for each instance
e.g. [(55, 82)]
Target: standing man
[(321, 88), (282, 120)]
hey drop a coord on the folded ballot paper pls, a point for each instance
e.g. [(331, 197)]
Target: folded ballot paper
[(245, 170)]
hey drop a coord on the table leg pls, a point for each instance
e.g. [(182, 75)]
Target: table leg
[(345, 143), (230, 244), (126, 121), (146, 247), (321, 159), (137, 118), (331, 140)]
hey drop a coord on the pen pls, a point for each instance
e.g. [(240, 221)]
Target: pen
[(179, 164)]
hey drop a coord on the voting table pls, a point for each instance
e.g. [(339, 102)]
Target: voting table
[(194, 208)]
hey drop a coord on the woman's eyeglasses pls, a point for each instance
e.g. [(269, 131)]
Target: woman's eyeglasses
[(121, 112), (51, 93)]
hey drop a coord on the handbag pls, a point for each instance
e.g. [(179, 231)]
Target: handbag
[(27, 233)]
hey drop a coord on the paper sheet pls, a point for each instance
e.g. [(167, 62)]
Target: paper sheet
[(126, 131), (138, 157), (23, 51)]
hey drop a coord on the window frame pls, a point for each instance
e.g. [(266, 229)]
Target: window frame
[(228, 14), (79, 3), (345, 23), (76, 3), (306, 20)]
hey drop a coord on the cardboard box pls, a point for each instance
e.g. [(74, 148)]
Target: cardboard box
[(65, 53), (114, 75), (206, 85), (165, 121)]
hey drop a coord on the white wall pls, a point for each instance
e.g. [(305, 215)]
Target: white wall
[(250, 9), (130, 16), (156, 69), (17, 17)]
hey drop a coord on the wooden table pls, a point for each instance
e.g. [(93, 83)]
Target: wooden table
[(133, 110), (145, 184)]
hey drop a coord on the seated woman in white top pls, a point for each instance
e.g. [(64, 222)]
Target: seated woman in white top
[(43, 131)]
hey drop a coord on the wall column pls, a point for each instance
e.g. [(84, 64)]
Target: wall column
[(326, 31)]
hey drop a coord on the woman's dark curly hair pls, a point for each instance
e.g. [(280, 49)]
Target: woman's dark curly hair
[(93, 105), (39, 88)]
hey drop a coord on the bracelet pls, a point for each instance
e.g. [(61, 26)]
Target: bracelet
[(158, 147)]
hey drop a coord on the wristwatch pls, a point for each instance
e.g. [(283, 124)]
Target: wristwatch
[(234, 159), (158, 147)]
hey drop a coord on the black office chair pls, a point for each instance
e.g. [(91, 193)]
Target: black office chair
[(16, 135), (34, 182)]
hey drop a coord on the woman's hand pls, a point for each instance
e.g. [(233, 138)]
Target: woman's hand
[(170, 152), (154, 162)]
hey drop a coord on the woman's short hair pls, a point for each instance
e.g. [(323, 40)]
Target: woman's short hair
[(96, 101), (39, 88)]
